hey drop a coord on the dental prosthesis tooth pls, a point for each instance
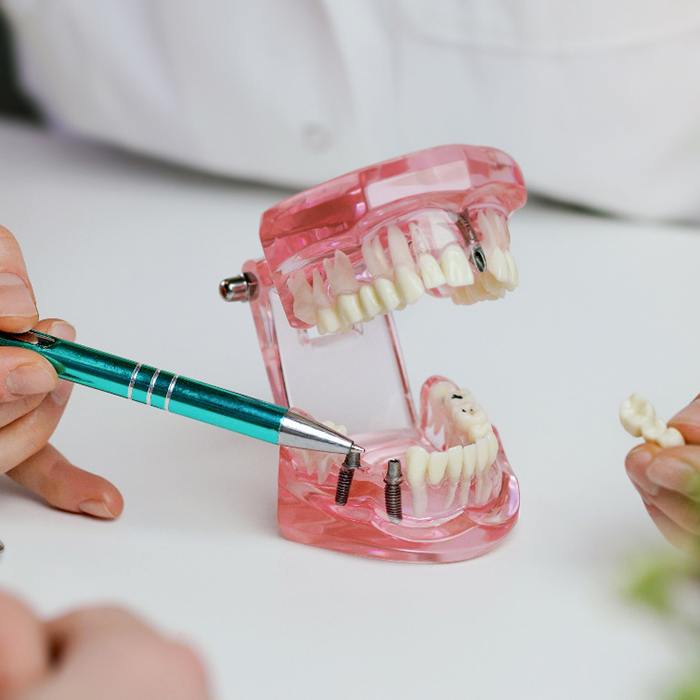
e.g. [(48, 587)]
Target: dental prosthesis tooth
[(497, 265), (430, 271), (639, 419), (409, 283), (493, 447), (429, 268), (341, 279), (303, 296), (635, 413), (455, 266), (437, 464), (327, 319), (482, 456), (491, 287), (513, 275), (417, 466), (469, 464), (454, 472), (371, 305), (388, 293)]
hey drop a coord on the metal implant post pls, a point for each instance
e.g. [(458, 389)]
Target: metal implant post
[(392, 489), (347, 471)]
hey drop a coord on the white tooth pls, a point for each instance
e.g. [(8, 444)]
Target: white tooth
[(340, 274), (416, 459), (375, 259), (635, 413), (497, 265), (454, 471), (653, 430), (440, 390), (430, 271), (370, 301), (493, 288), (493, 447), (670, 438), (349, 308), (437, 464), (387, 293), (468, 469), (326, 317), (455, 266), (409, 284), (303, 296), (482, 455), (398, 247), (466, 295), (513, 276)]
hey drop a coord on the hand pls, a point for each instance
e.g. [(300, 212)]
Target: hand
[(668, 480), (32, 400), (104, 653)]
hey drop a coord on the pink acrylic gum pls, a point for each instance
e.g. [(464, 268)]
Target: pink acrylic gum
[(338, 259)]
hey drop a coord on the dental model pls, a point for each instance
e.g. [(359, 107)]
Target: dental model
[(434, 483), (639, 419)]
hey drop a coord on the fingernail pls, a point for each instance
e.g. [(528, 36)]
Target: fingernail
[(62, 393), (15, 297), (27, 380), (97, 509), (675, 474), (63, 330)]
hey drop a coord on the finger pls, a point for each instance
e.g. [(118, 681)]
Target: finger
[(17, 303), (688, 421), (677, 469), (23, 646), (636, 465), (24, 373), (85, 624), (110, 653), (676, 535), (62, 485)]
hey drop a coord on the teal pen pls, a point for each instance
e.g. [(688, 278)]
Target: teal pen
[(177, 394)]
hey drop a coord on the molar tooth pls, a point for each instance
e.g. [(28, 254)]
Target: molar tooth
[(440, 390), (437, 464), (370, 301), (387, 293), (303, 298), (653, 430), (416, 459), (468, 469), (636, 412), (455, 266), (430, 271), (670, 438), (409, 284)]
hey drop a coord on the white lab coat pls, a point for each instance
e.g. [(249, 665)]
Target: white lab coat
[(598, 101)]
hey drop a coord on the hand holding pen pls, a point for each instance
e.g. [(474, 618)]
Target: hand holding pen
[(32, 401)]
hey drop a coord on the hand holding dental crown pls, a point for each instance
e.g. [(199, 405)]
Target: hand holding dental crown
[(666, 469)]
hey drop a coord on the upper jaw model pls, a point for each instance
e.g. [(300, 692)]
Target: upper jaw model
[(339, 259)]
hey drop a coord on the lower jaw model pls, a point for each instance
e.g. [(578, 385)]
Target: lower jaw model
[(433, 484)]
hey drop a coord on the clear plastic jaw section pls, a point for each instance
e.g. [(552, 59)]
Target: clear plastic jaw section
[(339, 259)]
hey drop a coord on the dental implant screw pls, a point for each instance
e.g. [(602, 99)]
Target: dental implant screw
[(345, 475), (239, 287), (392, 489)]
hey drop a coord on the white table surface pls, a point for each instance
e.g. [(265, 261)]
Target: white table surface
[(131, 252)]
